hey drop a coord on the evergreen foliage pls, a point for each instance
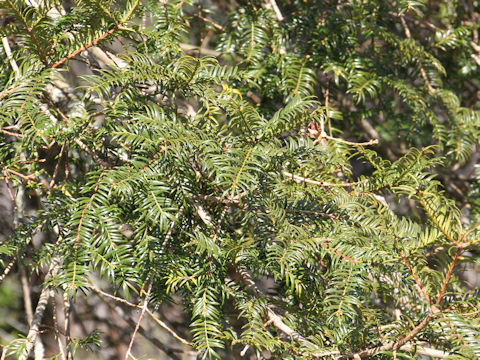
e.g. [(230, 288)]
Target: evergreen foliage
[(227, 181)]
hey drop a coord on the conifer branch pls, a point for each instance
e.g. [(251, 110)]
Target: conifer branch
[(453, 328), (165, 10), (30, 32), (394, 345), (84, 210), (175, 151), (434, 219), (172, 226), (79, 228), (401, 344), (420, 288)]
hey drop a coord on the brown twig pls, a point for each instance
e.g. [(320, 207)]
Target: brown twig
[(475, 57), (226, 201), (57, 165), (9, 190), (420, 326), (418, 21), (421, 289), (152, 315), (323, 243), (67, 310), (431, 90), (137, 326), (219, 223), (9, 90), (165, 10), (446, 281), (93, 43), (301, 179), (170, 351), (12, 133), (28, 178), (27, 296), (162, 149), (211, 22)]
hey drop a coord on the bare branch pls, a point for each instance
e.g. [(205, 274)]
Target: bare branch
[(40, 309), (276, 9), (431, 90), (144, 308), (211, 22), (10, 58), (55, 325), (171, 352), (366, 143), (152, 315), (301, 179)]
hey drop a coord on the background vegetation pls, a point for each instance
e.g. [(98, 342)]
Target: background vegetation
[(239, 179)]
